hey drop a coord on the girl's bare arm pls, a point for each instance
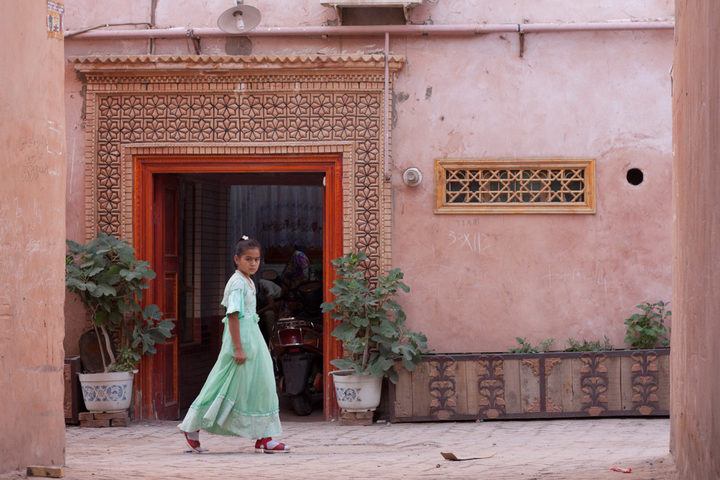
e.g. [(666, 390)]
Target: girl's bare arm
[(234, 324)]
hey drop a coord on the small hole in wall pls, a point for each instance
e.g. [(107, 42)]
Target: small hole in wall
[(238, 46), (634, 176)]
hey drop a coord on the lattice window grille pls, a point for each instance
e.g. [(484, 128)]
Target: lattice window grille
[(537, 186)]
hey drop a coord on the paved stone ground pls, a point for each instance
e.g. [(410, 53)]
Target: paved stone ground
[(542, 449)]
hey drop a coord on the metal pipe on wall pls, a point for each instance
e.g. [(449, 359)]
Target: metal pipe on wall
[(444, 30)]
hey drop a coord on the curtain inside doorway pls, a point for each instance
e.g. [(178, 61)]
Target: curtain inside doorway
[(277, 215)]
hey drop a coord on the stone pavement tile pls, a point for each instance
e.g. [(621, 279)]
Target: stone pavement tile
[(545, 449)]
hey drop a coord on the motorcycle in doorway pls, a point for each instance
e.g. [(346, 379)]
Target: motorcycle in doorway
[(296, 348)]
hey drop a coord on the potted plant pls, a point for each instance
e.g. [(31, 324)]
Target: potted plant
[(647, 329), (372, 331), (107, 278)]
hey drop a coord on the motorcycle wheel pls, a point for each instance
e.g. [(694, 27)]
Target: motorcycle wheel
[(302, 404)]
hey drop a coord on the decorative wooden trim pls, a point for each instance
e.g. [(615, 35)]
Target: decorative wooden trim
[(645, 379), (491, 387), (221, 161), (594, 382), (553, 185), (626, 383), (442, 387)]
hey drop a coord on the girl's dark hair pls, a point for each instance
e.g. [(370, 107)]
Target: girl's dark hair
[(245, 243)]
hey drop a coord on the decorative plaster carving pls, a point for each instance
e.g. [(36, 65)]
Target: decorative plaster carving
[(206, 105)]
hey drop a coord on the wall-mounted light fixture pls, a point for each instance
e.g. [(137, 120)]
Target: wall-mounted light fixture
[(240, 18), (412, 177)]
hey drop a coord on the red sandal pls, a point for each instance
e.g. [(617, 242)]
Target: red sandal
[(268, 445), (194, 443)]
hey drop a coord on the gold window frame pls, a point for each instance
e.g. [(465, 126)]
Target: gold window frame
[(535, 185)]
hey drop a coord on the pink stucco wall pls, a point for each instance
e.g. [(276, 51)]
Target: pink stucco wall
[(32, 236), (478, 281), (695, 424)]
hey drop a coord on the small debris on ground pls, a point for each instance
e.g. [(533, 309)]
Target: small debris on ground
[(451, 456), (45, 471)]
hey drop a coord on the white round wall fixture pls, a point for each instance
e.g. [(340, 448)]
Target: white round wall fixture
[(412, 177)]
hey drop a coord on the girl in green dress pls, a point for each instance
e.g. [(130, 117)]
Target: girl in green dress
[(239, 395)]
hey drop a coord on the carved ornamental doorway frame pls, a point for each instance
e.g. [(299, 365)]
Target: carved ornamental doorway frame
[(209, 106)]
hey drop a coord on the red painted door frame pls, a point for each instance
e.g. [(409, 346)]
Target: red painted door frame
[(146, 212)]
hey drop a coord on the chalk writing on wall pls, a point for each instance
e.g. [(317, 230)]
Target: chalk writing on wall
[(475, 242)]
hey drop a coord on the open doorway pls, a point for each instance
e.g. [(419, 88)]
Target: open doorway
[(185, 221), (285, 213)]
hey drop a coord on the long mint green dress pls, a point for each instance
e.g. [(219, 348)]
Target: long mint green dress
[(238, 399)]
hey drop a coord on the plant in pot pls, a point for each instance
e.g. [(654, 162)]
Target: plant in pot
[(372, 330), (648, 329), (108, 280)]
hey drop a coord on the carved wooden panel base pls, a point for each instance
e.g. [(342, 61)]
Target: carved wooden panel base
[(549, 385), (442, 387), (491, 387), (645, 380)]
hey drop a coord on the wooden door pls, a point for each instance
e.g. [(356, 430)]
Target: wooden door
[(167, 266)]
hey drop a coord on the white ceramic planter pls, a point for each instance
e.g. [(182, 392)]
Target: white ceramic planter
[(107, 392), (356, 393)]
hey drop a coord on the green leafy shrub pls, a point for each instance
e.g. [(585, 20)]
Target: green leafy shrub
[(647, 329), (526, 347), (109, 281), (589, 346), (544, 345), (125, 360), (372, 324)]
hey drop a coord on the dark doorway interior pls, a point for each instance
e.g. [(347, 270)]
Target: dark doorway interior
[(283, 211)]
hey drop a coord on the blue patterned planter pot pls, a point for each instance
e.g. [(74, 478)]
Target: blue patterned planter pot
[(356, 393), (107, 392)]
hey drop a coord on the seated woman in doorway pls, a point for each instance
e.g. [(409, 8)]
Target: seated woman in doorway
[(297, 270), (239, 396), (268, 294)]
